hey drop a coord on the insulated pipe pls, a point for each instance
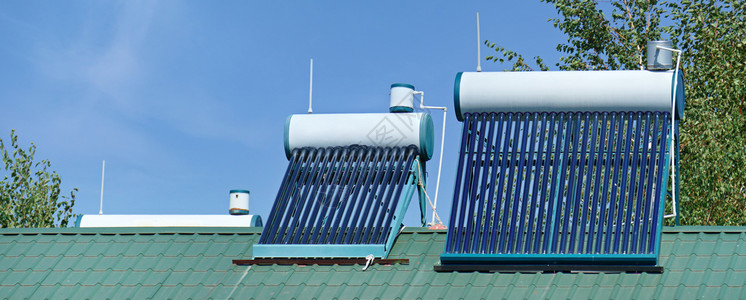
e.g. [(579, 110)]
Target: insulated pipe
[(440, 158), (567, 91), (673, 124)]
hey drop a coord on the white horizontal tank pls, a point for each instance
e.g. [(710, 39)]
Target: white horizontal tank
[(168, 221), (381, 130), (567, 91)]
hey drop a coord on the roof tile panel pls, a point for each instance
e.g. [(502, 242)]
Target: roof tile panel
[(30, 278), (133, 263), (24, 262), (735, 278), (133, 278), (157, 248), (190, 292), (135, 248), (144, 263), (392, 291), (58, 277), (58, 248), (454, 292), (169, 263), (738, 261), (16, 248), (77, 248), (17, 291), (113, 277)]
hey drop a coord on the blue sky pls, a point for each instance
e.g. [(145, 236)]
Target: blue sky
[(187, 100)]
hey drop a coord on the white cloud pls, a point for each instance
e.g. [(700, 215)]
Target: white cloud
[(106, 62), (108, 57)]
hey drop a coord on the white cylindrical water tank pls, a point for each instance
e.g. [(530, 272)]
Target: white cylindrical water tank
[(402, 98), (566, 91), (381, 130), (168, 221), (239, 202)]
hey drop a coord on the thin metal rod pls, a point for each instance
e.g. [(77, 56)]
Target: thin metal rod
[(673, 111), (101, 207), (479, 44), (310, 89), (440, 159), (440, 164)]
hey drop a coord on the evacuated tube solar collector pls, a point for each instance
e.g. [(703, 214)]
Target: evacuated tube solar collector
[(561, 168), (349, 181)]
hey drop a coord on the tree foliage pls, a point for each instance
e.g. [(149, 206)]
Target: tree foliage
[(30, 194), (712, 36)]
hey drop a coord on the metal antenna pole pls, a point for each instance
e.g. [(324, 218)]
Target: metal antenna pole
[(310, 89), (101, 208), (479, 49)]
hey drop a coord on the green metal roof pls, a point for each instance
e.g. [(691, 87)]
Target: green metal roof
[(179, 263)]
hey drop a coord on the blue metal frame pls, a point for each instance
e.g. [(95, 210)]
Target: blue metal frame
[(567, 258), (331, 251), (401, 210)]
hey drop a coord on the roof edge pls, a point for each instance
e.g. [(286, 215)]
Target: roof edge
[(132, 230), (704, 229), (258, 230)]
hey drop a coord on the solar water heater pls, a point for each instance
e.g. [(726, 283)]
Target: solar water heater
[(349, 181), (563, 168)]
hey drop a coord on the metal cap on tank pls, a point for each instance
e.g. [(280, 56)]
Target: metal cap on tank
[(659, 59), (402, 98), (239, 202)]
